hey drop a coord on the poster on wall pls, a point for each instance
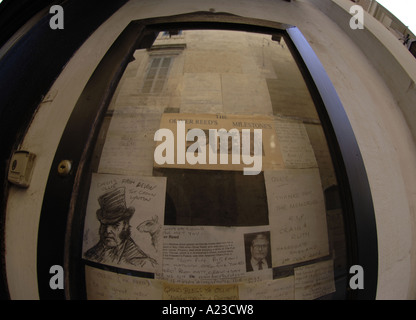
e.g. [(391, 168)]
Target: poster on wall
[(124, 222)]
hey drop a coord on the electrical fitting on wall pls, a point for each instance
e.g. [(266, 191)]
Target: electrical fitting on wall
[(21, 168)]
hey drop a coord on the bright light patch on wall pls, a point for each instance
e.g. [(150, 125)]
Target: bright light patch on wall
[(403, 9)]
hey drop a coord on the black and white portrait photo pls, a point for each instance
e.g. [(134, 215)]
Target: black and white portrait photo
[(257, 249)]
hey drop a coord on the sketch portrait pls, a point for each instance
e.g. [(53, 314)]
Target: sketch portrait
[(257, 249), (119, 234), (116, 244)]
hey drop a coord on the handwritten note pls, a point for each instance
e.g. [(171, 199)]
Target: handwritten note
[(297, 216), (314, 280), (244, 93), (279, 289), (199, 292), (129, 145), (201, 93), (106, 285), (323, 157), (294, 143)]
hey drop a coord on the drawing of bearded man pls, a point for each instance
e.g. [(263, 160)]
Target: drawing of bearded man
[(116, 245)]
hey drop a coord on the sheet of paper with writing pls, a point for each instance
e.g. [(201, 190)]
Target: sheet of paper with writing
[(294, 143), (199, 292), (314, 280), (129, 144), (124, 221), (106, 285), (297, 216), (278, 289), (210, 255)]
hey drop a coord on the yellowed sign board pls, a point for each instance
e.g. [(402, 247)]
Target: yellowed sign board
[(212, 152)]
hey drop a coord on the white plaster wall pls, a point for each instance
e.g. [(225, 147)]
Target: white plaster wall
[(387, 142), (381, 130)]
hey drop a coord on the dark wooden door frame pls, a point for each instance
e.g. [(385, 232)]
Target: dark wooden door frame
[(61, 223)]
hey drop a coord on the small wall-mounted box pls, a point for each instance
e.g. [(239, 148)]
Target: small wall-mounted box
[(21, 168)]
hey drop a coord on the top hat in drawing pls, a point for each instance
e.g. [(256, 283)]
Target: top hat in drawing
[(113, 207)]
